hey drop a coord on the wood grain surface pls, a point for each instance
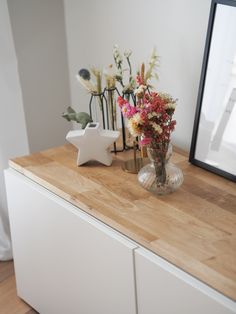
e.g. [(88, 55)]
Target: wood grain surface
[(9, 302), (193, 228)]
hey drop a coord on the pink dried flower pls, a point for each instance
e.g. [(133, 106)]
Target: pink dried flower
[(121, 101), (128, 111), (151, 118), (145, 141)]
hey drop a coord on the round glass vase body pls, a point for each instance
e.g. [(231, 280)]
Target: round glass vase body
[(160, 176)]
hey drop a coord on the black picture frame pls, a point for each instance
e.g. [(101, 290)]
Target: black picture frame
[(192, 157)]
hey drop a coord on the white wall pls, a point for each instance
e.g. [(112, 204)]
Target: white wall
[(13, 136), (176, 27), (39, 36)]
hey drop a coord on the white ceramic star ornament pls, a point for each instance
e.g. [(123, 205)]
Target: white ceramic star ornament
[(93, 143)]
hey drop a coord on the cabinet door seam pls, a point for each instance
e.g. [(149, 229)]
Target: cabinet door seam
[(135, 281)]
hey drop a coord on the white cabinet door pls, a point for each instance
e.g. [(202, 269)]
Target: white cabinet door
[(164, 289), (67, 262)]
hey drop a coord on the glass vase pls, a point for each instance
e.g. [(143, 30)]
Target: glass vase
[(96, 109), (128, 138), (160, 176)]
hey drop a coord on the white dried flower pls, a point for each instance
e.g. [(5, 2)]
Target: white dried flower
[(170, 105), (119, 59), (117, 55), (139, 92), (137, 118), (156, 127), (133, 128), (127, 53), (153, 114)]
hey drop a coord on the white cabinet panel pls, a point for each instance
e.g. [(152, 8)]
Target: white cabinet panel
[(164, 289), (66, 261)]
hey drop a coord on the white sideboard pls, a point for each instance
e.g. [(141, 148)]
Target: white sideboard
[(165, 289), (68, 262), (65, 261)]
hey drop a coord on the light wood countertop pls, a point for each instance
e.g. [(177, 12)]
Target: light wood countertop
[(194, 228)]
